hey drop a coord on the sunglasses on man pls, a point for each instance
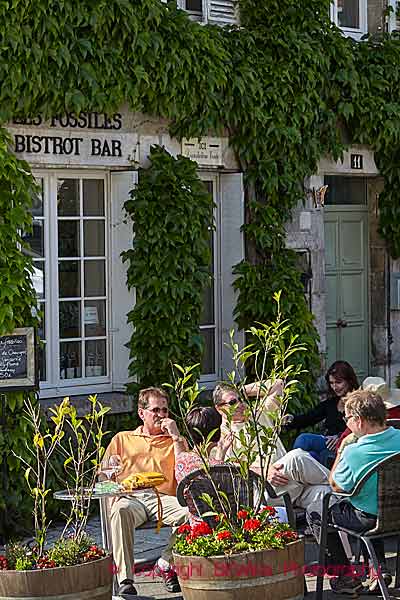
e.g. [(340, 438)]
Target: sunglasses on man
[(157, 410)]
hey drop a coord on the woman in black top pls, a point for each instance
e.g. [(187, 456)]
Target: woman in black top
[(341, 379)]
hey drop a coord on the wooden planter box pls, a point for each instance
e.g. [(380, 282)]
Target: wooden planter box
[(92, 580), (260, 575)]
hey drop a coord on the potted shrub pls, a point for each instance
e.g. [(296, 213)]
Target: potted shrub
[(247, 551), (74, 567)]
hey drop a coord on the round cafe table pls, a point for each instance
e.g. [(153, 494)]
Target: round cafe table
[(102, 497)]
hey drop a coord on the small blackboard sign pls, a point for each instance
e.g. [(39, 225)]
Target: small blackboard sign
[(18, 360)]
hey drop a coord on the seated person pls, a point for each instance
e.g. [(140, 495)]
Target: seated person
[(295, 472), (391, 398), (201, 422), (365, 413), (340, 379), (151, 447)]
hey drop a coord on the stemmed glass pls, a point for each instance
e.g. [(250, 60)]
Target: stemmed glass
[(111, 466)]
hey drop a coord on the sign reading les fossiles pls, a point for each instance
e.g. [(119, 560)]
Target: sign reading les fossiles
[(18, 360), (85, 137)]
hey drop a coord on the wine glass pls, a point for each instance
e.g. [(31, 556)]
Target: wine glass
[(111, 466)]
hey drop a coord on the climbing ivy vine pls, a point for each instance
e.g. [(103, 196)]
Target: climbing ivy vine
[(168, 266), (286, 87)]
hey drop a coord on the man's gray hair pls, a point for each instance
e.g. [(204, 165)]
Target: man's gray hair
[(367, 405)]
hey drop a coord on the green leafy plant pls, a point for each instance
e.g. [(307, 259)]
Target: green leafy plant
[(251, 528), (80, 443), (168, 266)]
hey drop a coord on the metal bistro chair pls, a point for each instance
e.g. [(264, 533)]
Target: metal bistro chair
[(228, 479), (387, 522)]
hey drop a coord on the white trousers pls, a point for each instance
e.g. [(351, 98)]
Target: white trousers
[(308, 480)]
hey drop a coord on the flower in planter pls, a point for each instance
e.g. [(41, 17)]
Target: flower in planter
[(260, 530), (45, 563), (3, 563)]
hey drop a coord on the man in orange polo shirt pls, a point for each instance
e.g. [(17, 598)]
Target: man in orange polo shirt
[(151, 447)]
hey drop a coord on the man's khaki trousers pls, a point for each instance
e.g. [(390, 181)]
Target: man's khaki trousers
[(127, 513)]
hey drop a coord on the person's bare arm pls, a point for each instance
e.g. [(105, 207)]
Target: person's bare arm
[(350, 439), (170, 427)]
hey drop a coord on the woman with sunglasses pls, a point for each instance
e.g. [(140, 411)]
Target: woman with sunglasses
[(341, 379)]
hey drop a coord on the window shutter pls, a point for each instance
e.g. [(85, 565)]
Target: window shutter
[(223, 12), (232, 252), (122, 300)]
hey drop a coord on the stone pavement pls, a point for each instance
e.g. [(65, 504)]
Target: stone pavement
[(148, 546)]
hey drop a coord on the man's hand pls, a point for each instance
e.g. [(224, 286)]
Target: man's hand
[(275, 477), (170, 427), (330, 441)]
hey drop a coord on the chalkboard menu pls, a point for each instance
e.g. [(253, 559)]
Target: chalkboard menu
[(18, 360)]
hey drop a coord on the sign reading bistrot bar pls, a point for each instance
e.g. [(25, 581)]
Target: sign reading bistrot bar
[(18, 369)]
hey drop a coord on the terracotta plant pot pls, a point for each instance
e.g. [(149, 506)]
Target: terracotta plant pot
[(92, 580), (260, 575)]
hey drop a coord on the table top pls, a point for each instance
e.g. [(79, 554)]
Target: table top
[(95, 495)]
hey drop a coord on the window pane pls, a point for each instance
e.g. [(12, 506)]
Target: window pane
[(68, 197), (95, 318), (95, 362), (345, 190), (208, 362), (93, 236), (42, 362), (38, 278), (70, 360), (37, 201), (194, 5), (42, 324), (35, 239), (207, 316), (69, 279), (68, 238), (93, 197), (70, 319), (349, 13), (95, 279)]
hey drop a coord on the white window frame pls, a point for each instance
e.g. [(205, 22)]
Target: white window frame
[(54, 386), (196, 16), (355, 33), (209, 380)]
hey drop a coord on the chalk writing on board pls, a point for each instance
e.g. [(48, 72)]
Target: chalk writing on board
[(13, 357)]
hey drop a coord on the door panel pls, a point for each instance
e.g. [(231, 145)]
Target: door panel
[(346, 279), (352, 242), (353, 296), (331, 244), (354, 348)]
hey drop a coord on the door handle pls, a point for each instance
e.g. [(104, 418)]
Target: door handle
[(341, 323)]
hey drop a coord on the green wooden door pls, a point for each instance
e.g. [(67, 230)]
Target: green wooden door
[(346, 273)]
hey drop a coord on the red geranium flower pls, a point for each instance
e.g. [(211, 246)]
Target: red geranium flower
[(270, 509), (202, 528), (251, 524), (242, 514), (3, 563), (185, 528), (224, 535)]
